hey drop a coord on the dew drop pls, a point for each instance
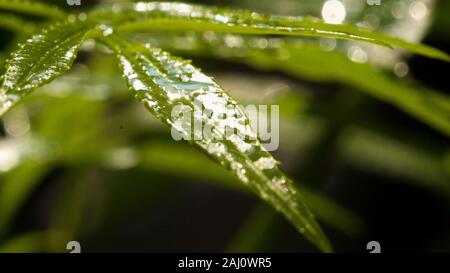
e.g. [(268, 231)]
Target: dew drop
[(216, 148), (265, 163), (221, 18), (82, 16), (327, 44)]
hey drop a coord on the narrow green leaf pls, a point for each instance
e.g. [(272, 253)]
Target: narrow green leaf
[(312, 62), (162, 82), (40, 59), (141, 16), (32, 8)]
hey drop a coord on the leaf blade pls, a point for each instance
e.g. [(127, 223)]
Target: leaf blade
[(155, 76), (142, 16), (33, 8), (43, 57)]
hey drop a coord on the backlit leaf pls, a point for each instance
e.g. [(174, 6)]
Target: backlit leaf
[(162, 82), (43, 57), (141, 16)]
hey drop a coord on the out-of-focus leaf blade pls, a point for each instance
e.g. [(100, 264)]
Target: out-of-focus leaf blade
[(372, 151), (162, 82), (36, 242)]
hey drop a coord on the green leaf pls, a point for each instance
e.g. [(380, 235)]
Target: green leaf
[(138, 17), (162, 82), (32, 8), (43, 57)]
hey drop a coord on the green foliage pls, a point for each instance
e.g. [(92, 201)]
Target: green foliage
[(40, 59), (310, 61), (161, 82)]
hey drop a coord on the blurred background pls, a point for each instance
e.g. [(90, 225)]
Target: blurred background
[(82, 160)]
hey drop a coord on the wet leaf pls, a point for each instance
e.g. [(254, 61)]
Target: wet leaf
[(428, 106), (141, 16), (162, 82), (43, 57)]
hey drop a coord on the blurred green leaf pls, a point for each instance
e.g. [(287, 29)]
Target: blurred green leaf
[(33, 8), (16, 24), (135, 17), (384, 155), (311, 62), (15, 187)]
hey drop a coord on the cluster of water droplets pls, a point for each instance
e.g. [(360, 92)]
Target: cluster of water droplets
[(164, 81), (211, 14)]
